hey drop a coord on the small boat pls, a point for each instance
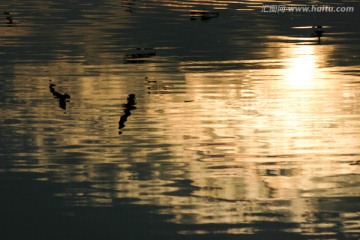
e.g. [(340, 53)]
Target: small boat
[(202, 14), (8, 17), (318, 32), (139, 55)]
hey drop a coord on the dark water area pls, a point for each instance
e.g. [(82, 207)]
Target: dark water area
[(178, 120)]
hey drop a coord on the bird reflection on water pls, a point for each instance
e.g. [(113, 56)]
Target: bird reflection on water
[(63, 98), (130, 105)]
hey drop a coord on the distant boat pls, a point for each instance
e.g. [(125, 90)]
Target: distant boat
[(202, 14), (139, 55), (318, 32), (8, 17)]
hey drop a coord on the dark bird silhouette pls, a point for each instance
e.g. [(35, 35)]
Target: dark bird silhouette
[(130, 105), (63, 98)]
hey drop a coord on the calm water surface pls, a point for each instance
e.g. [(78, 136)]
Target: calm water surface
[(243, 126)]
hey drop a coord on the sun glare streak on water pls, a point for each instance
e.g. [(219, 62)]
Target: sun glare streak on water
[(241, 124)]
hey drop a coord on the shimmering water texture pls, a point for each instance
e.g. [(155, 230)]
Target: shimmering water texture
[(178, 120)]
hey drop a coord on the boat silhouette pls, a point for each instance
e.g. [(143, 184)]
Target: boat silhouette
[(139, 55), (203, 15), (8, 17), (318, 32)]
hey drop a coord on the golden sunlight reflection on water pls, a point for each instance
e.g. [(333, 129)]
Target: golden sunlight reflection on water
[(230, 125), (303, 67)]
